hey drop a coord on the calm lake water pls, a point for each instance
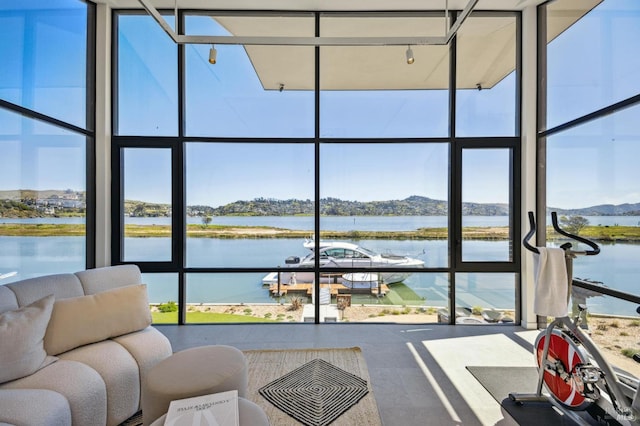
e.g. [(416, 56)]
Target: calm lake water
[(616, 266)]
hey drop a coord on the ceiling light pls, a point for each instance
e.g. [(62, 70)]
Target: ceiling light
[(213, 54), (410, 58)]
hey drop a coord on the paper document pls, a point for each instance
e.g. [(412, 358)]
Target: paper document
[(217, 409)]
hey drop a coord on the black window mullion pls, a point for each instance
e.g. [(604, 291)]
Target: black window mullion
[(316, 307), (117, 204), (454, 178), (90, 124), (179, 228)]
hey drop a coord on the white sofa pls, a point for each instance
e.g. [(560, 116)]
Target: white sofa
[(75, 348)]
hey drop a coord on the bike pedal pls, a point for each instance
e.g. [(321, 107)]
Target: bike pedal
[(588, 374), (591, 392)]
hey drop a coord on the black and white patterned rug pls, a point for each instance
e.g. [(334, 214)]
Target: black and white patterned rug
[(316, 393), (135, 420)]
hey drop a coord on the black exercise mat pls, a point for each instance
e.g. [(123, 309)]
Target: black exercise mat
[(501, 381)]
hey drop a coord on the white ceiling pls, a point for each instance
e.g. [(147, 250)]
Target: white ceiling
[(486, 45)]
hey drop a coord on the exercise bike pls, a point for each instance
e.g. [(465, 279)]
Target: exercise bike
[(575, 373)]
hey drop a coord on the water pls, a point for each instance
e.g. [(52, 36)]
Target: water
[(616, 266)]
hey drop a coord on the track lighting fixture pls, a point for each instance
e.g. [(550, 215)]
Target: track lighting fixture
[(213, 54), (410, 58)]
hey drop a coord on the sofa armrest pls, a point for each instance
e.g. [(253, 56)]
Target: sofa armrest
[(18, 407), (81, 386)]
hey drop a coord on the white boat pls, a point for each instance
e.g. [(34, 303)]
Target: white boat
[(339, 254), (361, 280)]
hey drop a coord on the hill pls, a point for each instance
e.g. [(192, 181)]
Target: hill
[(32, 203), (603, 210), (411, 206), (28, 203)]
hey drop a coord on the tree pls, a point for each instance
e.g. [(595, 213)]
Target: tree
[(206, 220), (573, 224), (138, 211)]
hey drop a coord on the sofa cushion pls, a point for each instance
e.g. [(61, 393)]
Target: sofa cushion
[(118, 370), (88, 319), (21, 333), (32, 289), (148, 347), (102, 279)]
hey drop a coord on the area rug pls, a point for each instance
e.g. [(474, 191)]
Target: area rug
[(135, 420), (316, 393), (278, 372)]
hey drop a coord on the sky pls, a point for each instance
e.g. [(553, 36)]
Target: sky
[(589, 165), (227, 99)]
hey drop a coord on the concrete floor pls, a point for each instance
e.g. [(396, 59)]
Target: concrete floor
[(417, 371)]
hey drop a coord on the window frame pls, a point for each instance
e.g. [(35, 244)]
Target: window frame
[(88, 131), (456, 145)]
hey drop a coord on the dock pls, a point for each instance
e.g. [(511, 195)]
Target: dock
[(334, 289)]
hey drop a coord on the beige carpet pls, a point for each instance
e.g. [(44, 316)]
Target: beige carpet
[(268, 365)]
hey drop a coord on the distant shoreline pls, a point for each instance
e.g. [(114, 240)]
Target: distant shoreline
[(602, 234)]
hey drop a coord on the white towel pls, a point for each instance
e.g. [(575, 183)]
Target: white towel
[(552, 283)]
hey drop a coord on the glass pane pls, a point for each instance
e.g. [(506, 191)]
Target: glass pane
[(417, 299), (596, 61), (371, 91), (240, 297), (42, 199), (248, 205), (163, 297), (616, 335), (486, 181), (147, 204), (486, 77), (389, 198), (593, 178), (259, 91), (485, 298), (147, 79), (34, 36), (232, 298)]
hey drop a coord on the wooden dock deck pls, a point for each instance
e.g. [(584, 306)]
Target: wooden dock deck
[(307, 288)]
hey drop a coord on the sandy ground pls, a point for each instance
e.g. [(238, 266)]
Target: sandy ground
[(612, 335)]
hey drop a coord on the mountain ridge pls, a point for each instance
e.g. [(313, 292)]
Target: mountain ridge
[(414, 205)]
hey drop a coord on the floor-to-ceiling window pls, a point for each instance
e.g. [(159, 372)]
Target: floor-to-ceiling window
[(46, 138), (591, 134), (486, 145), (283, 182)]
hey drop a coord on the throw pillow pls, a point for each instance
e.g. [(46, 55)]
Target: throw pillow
[(79, 321), (21, 335)]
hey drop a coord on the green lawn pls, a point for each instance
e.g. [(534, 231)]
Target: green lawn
[(205, 317), (401, 294)]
